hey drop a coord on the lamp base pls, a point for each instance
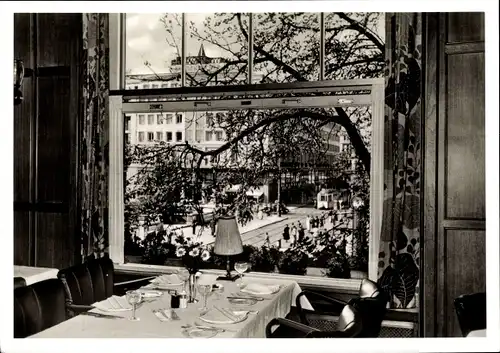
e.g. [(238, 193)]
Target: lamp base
[(227, 277)]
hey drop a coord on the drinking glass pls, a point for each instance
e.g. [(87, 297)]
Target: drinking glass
[(218, 289), (133, 298), (204, 289), (184, 276), (241, 267)]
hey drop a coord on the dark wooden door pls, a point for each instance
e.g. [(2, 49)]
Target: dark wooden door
[(46, 140), (454, 261)]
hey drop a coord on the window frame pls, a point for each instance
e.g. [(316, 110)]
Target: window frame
[(116, 141)]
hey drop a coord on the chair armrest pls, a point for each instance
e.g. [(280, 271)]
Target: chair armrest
[(79, 308), (134, 281), (337, 304), (289, 324)]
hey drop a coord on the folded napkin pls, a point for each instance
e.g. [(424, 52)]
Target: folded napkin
[(259, 288), (167, 280), (113, 303), (224, 316)]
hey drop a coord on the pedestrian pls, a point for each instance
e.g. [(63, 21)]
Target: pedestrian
[(313, 222), (308, 222), (286, 233), (268, 241), (322, 221), (301, 233), (293, 233), (194, 224)]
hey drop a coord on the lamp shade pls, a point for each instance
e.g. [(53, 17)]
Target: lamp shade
[(227, 237)]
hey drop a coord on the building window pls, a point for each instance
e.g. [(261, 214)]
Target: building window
[(159, 119), (218, 117), (164, 85), (145, 86), (127, 122), (168, 119), (159, 136), (169, 136), (151, 136), (210, 119), (178, 136), (151, 119), (208, 135), (142, 119), (218, 135), (154, 85), (140, 136), (127, 138), (178, 118)]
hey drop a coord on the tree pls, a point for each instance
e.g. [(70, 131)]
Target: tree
[(286, 49)]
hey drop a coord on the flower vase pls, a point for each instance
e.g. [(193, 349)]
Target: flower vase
[(192, 288)]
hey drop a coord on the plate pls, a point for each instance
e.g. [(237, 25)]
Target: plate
[(260, 290), (194, 332), (242, 316), (151, 293), (242, 301)]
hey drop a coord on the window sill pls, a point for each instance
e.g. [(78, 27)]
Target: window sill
[(347, 286)]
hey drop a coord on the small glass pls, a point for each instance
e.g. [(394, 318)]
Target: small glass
[(184, 276), (133, 297), (204, 289), (241, 267), (218, 289)]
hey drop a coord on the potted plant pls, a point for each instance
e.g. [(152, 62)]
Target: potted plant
[(265, 259), (156, 248)]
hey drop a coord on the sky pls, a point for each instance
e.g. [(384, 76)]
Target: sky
[(146, 41)]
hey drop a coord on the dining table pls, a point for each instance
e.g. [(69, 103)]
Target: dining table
[(35, 274), (118, 324), (477, 333)]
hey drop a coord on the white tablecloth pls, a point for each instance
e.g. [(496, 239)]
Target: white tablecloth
[(35, 274), (84, 326), (477, 333)]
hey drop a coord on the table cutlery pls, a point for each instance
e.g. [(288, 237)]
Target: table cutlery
[(104, 316), (245, 297)]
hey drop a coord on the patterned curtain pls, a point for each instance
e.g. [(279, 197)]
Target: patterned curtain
[(94, 136), (399, 254)]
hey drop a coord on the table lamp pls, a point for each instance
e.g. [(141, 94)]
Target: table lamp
[(227, 242)]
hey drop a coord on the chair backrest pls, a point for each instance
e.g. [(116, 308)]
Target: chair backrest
[(349, 325), (368, 289), (89, 282), (19, 282), (471, 312), (38, 306)]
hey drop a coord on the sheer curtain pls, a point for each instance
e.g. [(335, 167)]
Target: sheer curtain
[(94, 127), (399, 256)]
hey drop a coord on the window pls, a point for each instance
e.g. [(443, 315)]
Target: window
[(142, 119), (159, 119), (262, 28), (145, 86), (208, 135), (154, 85), (127, 138), (159, 136), (164, 85), (151, 136), (210, 119), (151, 119), (140, 136), (127, 122)]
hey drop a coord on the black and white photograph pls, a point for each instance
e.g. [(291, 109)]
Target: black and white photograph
[(270, 170)]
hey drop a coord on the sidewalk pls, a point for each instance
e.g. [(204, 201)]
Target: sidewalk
[(205, 236)]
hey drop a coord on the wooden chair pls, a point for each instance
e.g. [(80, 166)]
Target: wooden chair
[(38, 306), (19, 282), (371, 305)]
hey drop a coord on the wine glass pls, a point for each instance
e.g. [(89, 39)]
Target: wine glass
[(133, 297), (241, 267), (218, 289), (184, 276), (204, 289)]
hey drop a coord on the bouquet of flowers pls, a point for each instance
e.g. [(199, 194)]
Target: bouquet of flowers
[(192, 253)]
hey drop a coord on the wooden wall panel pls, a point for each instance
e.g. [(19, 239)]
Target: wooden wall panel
[(54, 140), (453, 254), (465, 27), (54, 251), (463, 277), (23, 240), (465, 191), (57, 43)]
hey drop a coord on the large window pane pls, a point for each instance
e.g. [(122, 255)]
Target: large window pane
[(297, 160), (287, 46), (152, 51), (216, 49), (354, 45)]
